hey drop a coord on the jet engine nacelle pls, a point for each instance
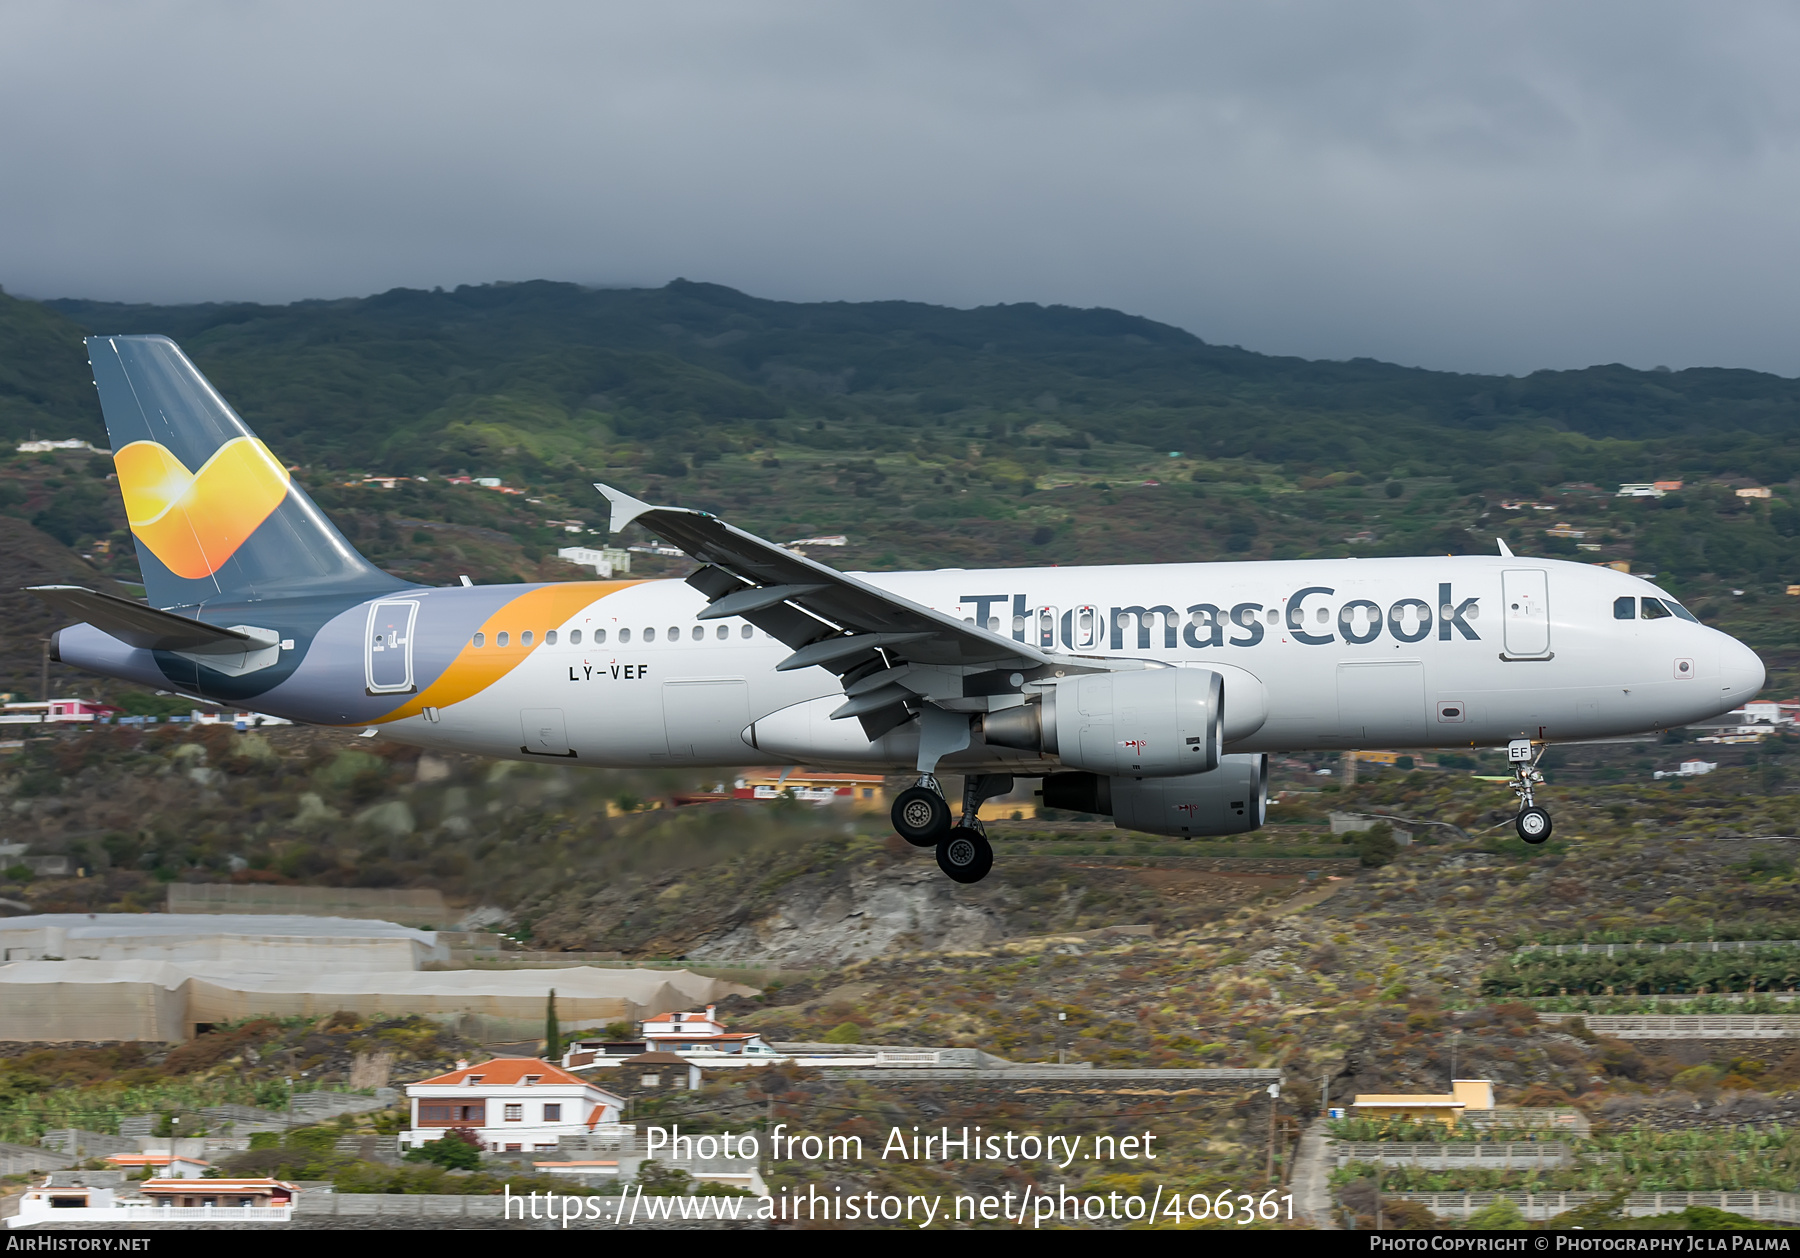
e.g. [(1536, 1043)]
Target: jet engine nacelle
[(1154, 722), (1231, 799)]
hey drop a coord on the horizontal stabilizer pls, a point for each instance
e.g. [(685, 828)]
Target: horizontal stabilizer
[(148, 628)]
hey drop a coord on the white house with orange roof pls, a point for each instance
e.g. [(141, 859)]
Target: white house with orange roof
[(162, 1165), (513, 1104), (701, 1033), (698, 1036)]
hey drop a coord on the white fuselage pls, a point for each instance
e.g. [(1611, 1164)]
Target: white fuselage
[(1406, 653)]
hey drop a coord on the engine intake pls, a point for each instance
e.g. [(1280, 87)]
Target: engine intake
[(1231, 799), (1158, 722)]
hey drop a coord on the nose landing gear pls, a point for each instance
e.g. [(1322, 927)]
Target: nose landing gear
[(1532, 823)]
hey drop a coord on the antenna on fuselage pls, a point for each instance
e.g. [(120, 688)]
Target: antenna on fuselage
[(1505, 550)]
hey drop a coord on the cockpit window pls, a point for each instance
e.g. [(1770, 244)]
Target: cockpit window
[(1654, 609), (1680, 611), (1625, 608)]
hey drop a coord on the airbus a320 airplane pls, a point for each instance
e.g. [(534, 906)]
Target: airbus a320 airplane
[(1152, 693)]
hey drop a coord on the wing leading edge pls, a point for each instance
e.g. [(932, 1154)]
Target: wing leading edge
[(894, 656)]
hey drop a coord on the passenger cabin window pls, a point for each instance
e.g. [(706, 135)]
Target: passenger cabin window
[(501, 638), (525, 638), (1625, 608), (550, 638), (480, 640), (1654, 609), (747, 631), (574, 637), (649, 635), (723, 633), (624, 635)]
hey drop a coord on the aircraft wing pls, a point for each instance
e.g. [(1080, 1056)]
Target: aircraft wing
[(135, 624), (880, 644)]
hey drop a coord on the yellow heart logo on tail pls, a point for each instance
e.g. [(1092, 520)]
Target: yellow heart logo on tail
[(195, 521)]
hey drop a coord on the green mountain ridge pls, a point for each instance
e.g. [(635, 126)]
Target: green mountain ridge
[(705, 355)]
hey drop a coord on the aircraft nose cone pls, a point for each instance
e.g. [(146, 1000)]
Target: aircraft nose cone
[(1741, 673)]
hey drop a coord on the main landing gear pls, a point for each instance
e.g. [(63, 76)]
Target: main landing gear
[(922, 817), (1532, 823)]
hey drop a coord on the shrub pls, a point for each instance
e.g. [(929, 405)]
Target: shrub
[(458, 1149), (1376, 846), (844, 1033), (1498, 1216), (658, 1180), (1700, 1080)]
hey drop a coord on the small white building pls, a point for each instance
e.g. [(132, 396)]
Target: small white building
[(162, 1165), (690, 1033), (698, 1036), (1689, 769), (53, 711), (513, 1104), (604, 560), (67, 443), (234, 1194), (1766, 714), (233, 1202), (240, 721)]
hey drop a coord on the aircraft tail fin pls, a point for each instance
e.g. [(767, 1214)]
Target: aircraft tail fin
[(215, 515)]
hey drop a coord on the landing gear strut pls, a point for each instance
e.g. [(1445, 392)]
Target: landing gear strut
[(965, 854), (1532, 823)]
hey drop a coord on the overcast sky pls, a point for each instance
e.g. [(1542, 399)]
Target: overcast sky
[(1479, 187)]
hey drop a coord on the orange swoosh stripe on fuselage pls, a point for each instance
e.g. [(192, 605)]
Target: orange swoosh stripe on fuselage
[(195, 521), (476, 668)]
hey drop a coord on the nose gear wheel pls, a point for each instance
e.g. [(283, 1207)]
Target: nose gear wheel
[(1533, 825)]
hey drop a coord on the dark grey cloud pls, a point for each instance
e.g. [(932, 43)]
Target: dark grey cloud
[(1475, 187)]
